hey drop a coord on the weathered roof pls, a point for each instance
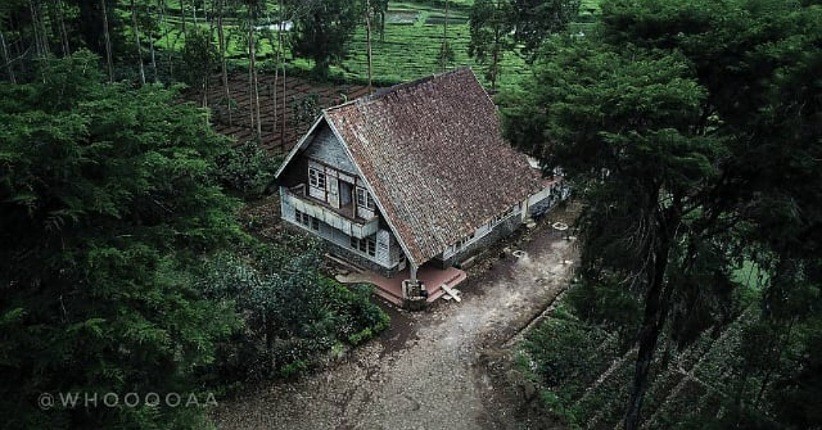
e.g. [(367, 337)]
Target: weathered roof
[(433, 153)]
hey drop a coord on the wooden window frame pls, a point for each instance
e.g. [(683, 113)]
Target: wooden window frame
[(364, 199), (316, 178), (366, 245), (307, 220)]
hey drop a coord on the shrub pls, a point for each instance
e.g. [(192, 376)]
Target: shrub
[(247, 169), (293, 315)]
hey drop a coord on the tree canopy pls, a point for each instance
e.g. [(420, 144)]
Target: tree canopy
[(691, 129), (323, 28), (108, 203)]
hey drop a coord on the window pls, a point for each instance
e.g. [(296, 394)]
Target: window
[(497, 219), (316, 178), (366, 245), (364, 199), (463, 241), (307, 220)]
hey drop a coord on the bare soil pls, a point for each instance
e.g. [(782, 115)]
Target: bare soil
[(445, 368)]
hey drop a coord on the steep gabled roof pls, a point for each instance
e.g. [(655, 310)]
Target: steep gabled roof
[(433, 155)]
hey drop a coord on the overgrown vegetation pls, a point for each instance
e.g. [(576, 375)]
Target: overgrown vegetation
[(127, 270), (293, 315), (679, 123)]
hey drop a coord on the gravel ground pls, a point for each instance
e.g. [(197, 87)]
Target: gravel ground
[(444, 368)]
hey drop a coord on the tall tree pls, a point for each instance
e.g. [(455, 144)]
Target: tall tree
[(535, 20), (673, 122), (136, 30), (446, 54), (254, 99), (221, 40), (102, 222), (107, 37), (322, 29), (490, 25), (198, 60), (368, 15), (380, 8)]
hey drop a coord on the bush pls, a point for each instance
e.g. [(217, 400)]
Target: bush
[(293, 315), (247, 169)]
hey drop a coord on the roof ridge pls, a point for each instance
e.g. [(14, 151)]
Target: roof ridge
[(381, 93)]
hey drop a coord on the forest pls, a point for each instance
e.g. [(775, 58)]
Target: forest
[(134, 261)]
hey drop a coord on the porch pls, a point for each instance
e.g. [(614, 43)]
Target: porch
[(390, 289)]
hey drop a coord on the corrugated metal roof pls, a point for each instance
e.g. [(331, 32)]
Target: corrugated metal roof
[(433, 153)]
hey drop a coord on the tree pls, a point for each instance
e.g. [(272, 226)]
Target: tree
[(380, 8), (367, 13), (107, 37), (490, 25), (678, 128), (108, 205), (221, 44), (136, 30), (256, 122), (293, 313), (535, 20), (322, 29), (446, 54), (199, 58)]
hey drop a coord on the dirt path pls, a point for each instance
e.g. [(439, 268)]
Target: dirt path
[(444, 368)]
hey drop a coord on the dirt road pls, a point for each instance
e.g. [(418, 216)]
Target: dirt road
[(445, 368)]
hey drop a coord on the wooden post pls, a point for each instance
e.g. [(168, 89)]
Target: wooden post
[(412, 273), (414, 299)]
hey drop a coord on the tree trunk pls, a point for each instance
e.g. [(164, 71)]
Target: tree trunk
[(252, 70), (445, 39), (107, 36), (283, 95), (382, 26), (35, 26), (136, 31), (495, 61), (368, 41), (6, 60), (153, 53), (170, 48), (60, 24), (656, 310), (183, 14), (223, 67)]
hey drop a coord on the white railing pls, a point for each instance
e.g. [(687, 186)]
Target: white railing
[(328, 215)]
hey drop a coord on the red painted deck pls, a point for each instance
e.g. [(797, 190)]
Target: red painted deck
[(391, 288)]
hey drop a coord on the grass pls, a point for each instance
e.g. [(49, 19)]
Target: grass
[(413, 36)]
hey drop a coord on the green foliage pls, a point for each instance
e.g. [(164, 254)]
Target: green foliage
[(199, 58), (107, 198), (565, 356), (306, 109), (691, 130), (446, 56), (294, 316), (608, 305), (491, 25), (536, 20), (323, 29), (247, 169)]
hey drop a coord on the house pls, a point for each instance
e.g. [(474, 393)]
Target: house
[(416, 174)]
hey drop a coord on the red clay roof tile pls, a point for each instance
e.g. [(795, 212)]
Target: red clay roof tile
[(433, 152)]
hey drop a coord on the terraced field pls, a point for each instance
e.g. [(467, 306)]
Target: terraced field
[(412, 39), (678, 391)]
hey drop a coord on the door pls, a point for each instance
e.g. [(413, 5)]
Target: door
[(333, 196), (345, 193)]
